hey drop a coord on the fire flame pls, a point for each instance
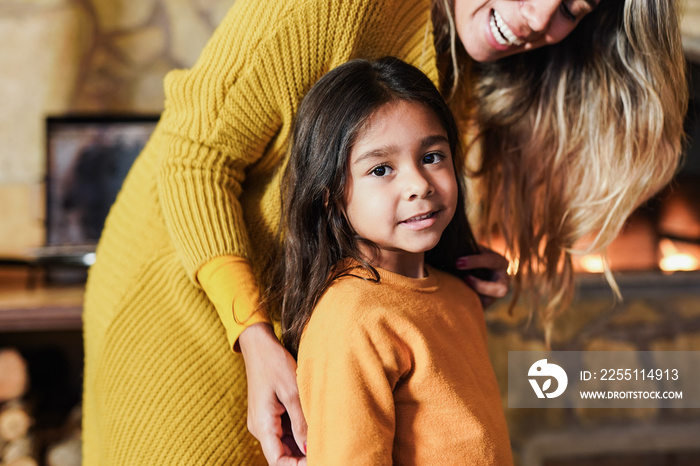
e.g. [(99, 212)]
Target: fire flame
[(592, 263), (673, 260)]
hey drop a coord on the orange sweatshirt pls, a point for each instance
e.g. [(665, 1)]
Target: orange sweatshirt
[(397, 372)]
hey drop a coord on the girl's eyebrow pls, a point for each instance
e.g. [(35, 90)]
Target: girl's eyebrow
[(434, 139), (374, 153), (389, 149)]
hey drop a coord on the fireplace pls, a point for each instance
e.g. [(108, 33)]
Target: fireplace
[(662, 235)]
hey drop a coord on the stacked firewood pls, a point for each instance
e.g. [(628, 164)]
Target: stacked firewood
[(22, 440), (17, 446)]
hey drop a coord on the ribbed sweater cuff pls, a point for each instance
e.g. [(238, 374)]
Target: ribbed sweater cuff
[(230, 284)]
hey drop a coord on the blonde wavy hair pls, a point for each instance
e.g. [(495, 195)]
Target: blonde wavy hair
[(572, 137)]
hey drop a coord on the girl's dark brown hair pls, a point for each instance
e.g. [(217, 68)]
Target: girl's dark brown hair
[(317, 237)]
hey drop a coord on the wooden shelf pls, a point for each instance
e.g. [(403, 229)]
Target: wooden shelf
[(40, 308)]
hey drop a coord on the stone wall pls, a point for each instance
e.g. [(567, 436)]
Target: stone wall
[(81, 56)]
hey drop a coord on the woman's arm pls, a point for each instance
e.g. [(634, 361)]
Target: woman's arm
[(270, 369), (230, 284), (222, 118)]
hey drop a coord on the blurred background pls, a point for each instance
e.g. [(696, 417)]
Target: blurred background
[(84, 77)]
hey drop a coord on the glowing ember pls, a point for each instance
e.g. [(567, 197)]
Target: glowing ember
[(592, 263), (673, 260)]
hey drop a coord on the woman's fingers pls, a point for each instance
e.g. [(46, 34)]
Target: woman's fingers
[(272, 392), (295, 419), (281, 450), (492, 289), (291, 461), (264, 422), (486, 259), (499, 282), (270, 441), (292, 453)]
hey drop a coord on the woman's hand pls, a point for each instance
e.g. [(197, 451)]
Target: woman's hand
[(274, 410), (488, 290)]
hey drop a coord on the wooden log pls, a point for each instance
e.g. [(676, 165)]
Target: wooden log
[(14, 422), (18, 449), (13, 374), (66, 453), (24, 461)]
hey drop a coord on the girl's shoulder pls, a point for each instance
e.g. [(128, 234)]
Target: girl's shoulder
[(348, 313), (354, 297)]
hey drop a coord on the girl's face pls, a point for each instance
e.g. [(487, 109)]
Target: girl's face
[(402, 190), (493, 29)]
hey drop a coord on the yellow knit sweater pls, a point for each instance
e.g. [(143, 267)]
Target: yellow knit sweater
[(161, 384), (397, 372)]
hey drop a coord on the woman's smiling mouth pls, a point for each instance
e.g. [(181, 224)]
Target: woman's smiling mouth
[(501, 32)]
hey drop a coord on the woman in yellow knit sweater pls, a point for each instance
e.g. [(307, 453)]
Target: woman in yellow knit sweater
[(393, 366), (571, 136)]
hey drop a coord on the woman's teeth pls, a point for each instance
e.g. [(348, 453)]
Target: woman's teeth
[(501, 31)]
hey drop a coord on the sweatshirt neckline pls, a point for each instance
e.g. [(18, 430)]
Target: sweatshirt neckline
[(429, 283)]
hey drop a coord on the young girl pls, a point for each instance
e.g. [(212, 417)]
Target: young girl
[(392, 359)]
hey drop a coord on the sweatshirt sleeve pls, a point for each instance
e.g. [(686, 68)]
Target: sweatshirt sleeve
[(347, 370), (230, 284)]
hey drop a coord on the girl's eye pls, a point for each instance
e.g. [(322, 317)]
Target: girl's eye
[(381, 170), (432, 157)]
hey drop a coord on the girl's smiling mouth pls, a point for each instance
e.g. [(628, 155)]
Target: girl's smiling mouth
[(420, 222)]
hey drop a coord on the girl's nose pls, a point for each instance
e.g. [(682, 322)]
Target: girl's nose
[(539, 13), (418, 186)]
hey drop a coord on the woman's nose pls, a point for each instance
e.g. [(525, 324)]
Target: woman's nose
[(539, 13)]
